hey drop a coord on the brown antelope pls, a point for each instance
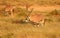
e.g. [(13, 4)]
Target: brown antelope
[(37, 18), (9, 8)]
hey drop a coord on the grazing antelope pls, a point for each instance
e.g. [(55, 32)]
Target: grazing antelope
[(9, 9), (37, 19)]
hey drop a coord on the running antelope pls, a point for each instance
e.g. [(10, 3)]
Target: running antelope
[(37, 19), (9, 9)]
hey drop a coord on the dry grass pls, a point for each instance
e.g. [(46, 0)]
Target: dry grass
[(13, 30), (27, 30)]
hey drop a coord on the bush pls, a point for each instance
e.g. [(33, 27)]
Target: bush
[(54, 12), (20, 12)]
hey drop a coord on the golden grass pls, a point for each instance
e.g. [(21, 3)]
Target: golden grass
[(12, 30)]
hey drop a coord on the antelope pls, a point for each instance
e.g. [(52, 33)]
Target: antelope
[(38, 19), (9, 9)]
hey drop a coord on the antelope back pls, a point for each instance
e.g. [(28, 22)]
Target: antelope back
[(9, 8), (36, 17)]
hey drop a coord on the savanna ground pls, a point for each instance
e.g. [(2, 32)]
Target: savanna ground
[(9, 28)]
